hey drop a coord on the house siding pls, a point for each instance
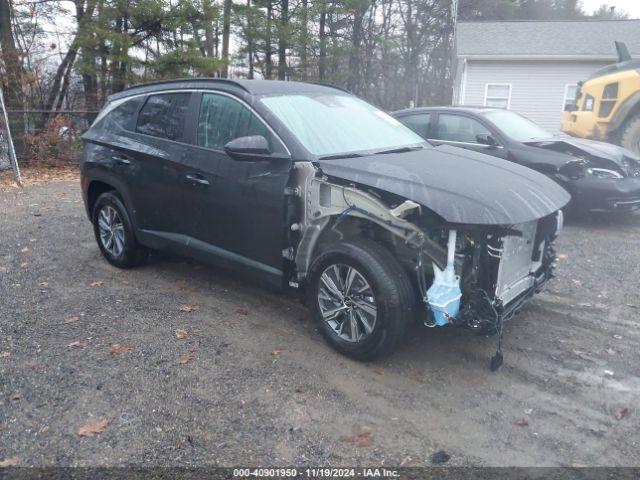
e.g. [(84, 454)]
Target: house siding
[(537, 87)]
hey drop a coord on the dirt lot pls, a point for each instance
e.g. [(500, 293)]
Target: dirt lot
[(258, 385)]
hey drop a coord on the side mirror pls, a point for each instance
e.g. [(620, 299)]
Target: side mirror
[(486, 139), (253, 148)]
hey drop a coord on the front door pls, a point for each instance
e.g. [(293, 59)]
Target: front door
[(237, 207), (463, 131)]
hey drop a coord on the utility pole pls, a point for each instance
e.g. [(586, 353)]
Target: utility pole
[(6, 142)]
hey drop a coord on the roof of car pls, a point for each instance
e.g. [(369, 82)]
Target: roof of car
[(461, 108), (253, 87)]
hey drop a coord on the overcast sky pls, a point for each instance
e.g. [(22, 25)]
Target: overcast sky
[(632, 7)]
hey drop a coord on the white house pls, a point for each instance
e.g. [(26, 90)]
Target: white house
[(533, 67)]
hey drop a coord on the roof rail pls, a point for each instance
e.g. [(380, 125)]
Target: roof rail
[(194, 79)]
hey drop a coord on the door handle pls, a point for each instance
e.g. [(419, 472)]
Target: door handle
[(197, 179), (122, 159)]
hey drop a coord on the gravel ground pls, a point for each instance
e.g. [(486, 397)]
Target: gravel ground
[(258, 386)]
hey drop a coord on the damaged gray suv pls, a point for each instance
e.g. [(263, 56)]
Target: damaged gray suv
[(311, 189)]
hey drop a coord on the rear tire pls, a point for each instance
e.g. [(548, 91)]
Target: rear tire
[(630, 134), (390, 296), (114, 232)]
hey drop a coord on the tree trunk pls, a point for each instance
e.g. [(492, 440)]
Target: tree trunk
[(322, 62), (282, 40), (12, 81), (226, 30), (267, 43), (250, 40), (304, 40), (208, 29), (355, 74)]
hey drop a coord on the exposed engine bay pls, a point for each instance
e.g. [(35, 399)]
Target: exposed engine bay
[(474, 276)]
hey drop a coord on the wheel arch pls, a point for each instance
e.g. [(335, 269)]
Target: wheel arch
[(94, 190), (99, 184), (629, 109)]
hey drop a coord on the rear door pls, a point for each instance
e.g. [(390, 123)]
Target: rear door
[(462, 131), (154, 173), (236, 206)]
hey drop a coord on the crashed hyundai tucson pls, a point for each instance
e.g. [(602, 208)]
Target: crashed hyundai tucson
[(311, 189)]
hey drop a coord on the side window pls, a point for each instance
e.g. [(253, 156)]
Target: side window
[(418, 123), (456, 128), (223, 119), (164, 115), (124, 115)]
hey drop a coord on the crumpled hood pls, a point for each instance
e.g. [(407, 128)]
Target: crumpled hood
[(461, 186), (594, 148)]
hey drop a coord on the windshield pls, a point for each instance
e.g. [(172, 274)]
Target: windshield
[(516, 126), (334, 124)]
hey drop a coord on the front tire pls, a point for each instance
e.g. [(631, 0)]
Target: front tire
[(361, 298), (114, 232)]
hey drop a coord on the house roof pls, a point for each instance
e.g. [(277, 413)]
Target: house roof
[(589, 39)]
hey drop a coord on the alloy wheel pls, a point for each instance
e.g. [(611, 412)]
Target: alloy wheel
[(111, 230), (347, 302)]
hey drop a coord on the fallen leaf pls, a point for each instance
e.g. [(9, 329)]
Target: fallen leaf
[(276, 351), (24, 264), (181, 334), (92, 428), (191, 353), (377, 371), (362, 439), (97, 283), (187, 357), (242, 311), (79, 344), (15, 397), (43, 430), (25, 250), (118, 348), (188, 308), (523, 422), (622, 413), (9, 462), (5, 354)]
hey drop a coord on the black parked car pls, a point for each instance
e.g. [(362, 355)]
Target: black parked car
[(600, 177), (311, 189)]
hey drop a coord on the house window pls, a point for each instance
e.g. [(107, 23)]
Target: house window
[(497, 95), (570, 96)]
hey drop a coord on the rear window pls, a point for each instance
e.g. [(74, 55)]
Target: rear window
[(125, 115), (165, 116)]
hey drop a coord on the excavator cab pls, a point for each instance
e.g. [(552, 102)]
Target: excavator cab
[(607, 106)]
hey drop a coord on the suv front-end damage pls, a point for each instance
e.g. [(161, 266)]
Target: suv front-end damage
[(492, 269)]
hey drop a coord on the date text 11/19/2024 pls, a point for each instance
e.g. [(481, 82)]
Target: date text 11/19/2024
[(315, 473)]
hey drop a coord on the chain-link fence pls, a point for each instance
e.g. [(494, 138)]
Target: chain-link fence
[(49, 138)]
